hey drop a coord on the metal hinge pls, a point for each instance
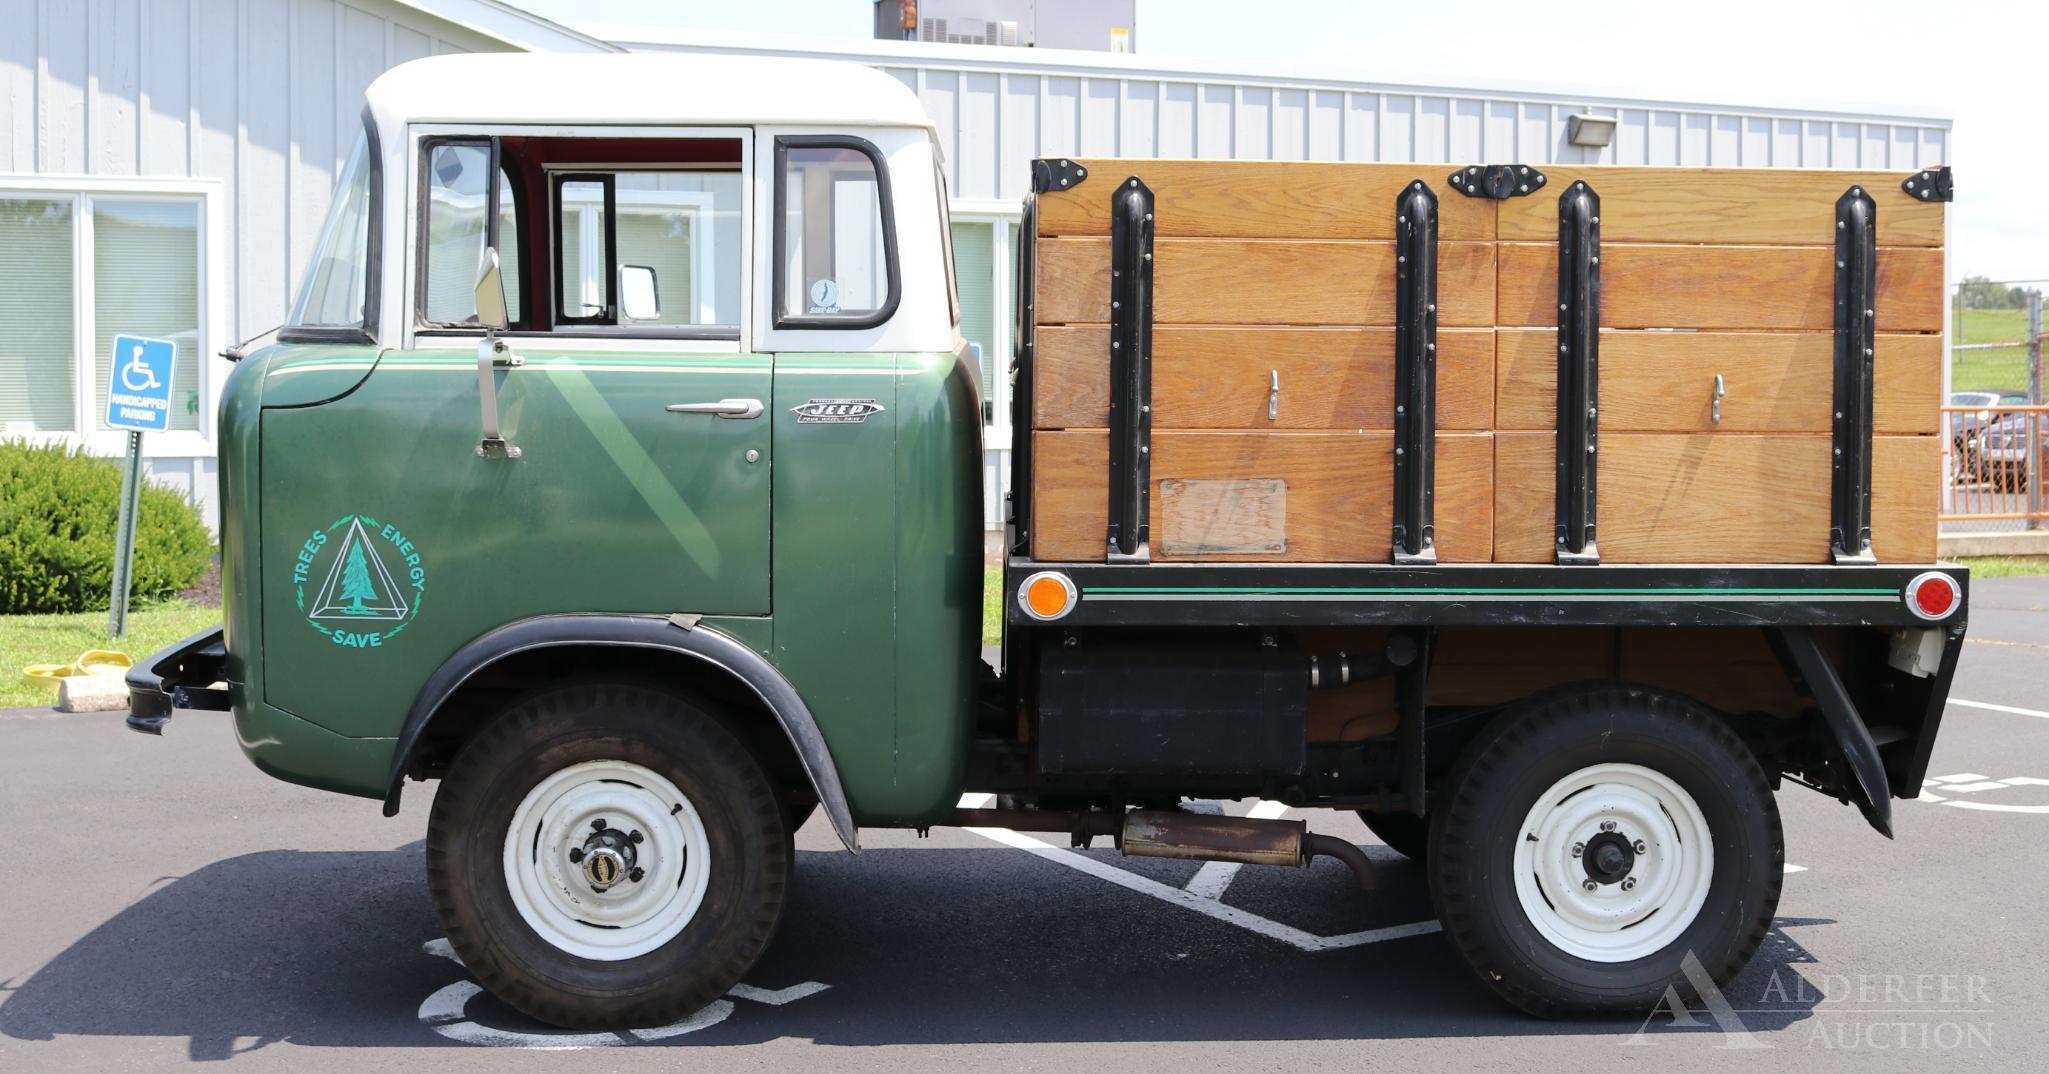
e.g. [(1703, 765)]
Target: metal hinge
[(1931, 184), (1052, 175)]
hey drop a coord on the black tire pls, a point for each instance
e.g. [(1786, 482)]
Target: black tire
[(1404, 833), (1528, 750), (546, 732)]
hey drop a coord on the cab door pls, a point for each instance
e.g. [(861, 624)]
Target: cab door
[(635, 471)]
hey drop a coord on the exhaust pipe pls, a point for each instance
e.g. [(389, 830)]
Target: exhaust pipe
[(1170, 833), (1160, 833)]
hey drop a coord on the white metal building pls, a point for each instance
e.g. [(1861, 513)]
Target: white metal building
[(189, 145)]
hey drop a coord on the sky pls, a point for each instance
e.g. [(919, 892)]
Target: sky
[(1983, 62)]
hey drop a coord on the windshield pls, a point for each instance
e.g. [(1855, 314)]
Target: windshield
[(337, 280)]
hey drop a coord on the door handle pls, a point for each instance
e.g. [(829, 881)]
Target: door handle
[(725, 408)]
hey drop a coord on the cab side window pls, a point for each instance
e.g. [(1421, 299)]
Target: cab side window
[(466, 210), (835, 242), (595, 235)]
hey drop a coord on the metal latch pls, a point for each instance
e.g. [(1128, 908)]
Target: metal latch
[(1273, 396), (1721, 389)]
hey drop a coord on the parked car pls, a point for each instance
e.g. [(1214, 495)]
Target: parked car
[(1964, 427), (2000, 451)]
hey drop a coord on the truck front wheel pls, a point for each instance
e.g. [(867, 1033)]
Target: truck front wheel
[(1596, 840), (607, 855)]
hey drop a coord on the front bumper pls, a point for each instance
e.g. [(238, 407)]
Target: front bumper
[(182, 676)]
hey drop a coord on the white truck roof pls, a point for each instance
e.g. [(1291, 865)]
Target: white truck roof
[(640, 89)]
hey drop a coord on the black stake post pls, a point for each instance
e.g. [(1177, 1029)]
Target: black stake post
[(1415, 373), (1579, 341), (1856, 325), (1131, 372)]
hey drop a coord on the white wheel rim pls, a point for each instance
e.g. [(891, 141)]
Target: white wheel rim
[(1625, 917), (557, 896)]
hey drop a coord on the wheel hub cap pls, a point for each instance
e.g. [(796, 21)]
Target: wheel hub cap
[(606, 860), (609, 857), (1608, 858), (1613, 862)]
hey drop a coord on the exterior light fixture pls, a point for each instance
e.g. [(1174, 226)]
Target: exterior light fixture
[(1590, 130)]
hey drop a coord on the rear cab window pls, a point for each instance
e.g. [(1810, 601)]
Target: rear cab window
[(835, 237)]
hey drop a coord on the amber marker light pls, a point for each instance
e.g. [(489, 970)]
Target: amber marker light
[(1047, 596)]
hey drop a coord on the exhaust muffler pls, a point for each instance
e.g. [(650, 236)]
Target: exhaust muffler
[(1163, 833)]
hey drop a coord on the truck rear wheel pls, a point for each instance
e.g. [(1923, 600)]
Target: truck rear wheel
[(1594, 840), (607, 855)]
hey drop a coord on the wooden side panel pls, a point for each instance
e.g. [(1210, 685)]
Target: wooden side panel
[(1525, 491), (1720, 498), (1772, 287), (1906, 485), (1264, 281), (1778, 382), (1777, 206), (1220, 378), (1262, 199), (1339, 502)]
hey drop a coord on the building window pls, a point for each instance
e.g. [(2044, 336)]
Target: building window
[(82, 264), (38, 355), (974, 269)]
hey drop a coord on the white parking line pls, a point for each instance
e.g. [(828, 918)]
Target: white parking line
[(1201, 904), (446, 1012), (1973, 783), (1990, 707)]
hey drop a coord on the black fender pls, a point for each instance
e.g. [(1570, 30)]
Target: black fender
[(1802, 656), (677, 634)]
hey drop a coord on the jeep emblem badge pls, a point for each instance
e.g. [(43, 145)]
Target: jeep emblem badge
[(835, 411)]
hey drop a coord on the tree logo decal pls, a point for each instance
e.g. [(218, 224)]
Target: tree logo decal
[(371, 581)]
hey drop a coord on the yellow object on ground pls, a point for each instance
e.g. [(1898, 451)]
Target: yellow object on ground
[(89, 662)]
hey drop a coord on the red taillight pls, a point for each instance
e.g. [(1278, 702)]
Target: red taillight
[(1934, 595)]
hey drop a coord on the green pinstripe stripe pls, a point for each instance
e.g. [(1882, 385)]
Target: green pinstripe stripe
[(1476, 592)]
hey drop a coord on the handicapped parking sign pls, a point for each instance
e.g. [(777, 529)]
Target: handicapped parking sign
[(139, 383)]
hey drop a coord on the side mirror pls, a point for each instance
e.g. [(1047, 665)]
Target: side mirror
[(491, 292), (639, 300)]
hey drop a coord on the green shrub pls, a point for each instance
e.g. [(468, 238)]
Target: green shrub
[(57, 514)]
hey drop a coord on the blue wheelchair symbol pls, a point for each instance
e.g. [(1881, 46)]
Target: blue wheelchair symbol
[(139, 387)]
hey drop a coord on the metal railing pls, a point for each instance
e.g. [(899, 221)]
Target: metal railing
[(1993, 464)]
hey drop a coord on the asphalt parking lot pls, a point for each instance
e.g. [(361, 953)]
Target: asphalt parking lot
[(166, 903)]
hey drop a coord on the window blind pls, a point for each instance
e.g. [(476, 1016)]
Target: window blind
[(37, 350), (146, 283)]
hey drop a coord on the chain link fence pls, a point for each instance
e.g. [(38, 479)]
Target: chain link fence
[(1994, 422)]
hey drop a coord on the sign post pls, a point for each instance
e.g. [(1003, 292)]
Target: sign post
[(138, 400)]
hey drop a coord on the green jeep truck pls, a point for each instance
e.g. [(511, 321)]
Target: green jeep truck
[(620, 468)]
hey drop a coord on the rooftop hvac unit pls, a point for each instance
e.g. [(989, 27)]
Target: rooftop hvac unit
[(968, 31)]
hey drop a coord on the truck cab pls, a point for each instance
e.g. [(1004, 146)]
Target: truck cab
[(620, 468), (728, 369)]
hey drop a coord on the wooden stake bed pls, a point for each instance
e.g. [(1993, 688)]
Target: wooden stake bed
[(1269, 422)]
